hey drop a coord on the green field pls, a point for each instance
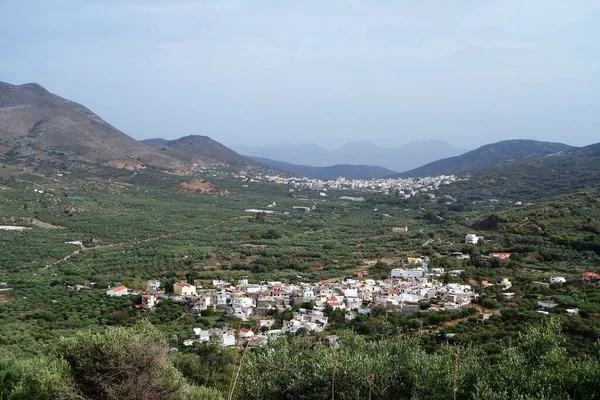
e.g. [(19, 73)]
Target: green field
[(143, 228)]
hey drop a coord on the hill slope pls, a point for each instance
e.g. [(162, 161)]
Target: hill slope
[(200, 150), (402, 158), (35, 123), (329, 172), (489, 155), (155, 141), (534, 179)]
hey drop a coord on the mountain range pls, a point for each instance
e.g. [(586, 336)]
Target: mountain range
[(329, 172), (37, 126), (404, 158)]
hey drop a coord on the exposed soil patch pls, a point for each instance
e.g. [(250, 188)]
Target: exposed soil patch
[(13, 228), (196, 185), (42, 224), (241, 217), (253, 245), (390, 260), (128, 165)]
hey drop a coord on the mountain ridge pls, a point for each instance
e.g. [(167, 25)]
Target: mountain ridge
[(35, 123), (502, 152), (39, 126), (329, 172), (403, 158), (200, 150)]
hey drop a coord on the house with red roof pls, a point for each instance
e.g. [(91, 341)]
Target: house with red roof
[(591, 277), (118, 291), (500, 256), (184, 289), (149, 301), (246, 333)]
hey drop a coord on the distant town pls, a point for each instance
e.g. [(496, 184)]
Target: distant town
[(405, 187)]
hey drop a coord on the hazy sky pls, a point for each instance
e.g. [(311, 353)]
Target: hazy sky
[(323, 71)]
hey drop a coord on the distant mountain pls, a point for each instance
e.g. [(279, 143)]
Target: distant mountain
[(326, 173), (403, 158), (533, 179), (155, 141), (489, 155), (200, 150), (41, 126), (592, 150)]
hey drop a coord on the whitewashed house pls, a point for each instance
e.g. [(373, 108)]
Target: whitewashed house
[(118, 291), (407, 273), (557, 279), (471, 238), (184, 289)]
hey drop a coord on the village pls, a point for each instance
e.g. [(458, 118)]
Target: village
[(401, 293), (404, 187), (411, 288)]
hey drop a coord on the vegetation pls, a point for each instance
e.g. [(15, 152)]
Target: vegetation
[(66, 343), (133, 363), (507, 151)]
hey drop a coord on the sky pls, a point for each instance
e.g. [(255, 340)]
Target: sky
[(251, 72)]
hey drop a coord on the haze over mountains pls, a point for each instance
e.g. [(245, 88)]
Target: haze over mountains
[(399, 159), (38, 126), (329, 172)]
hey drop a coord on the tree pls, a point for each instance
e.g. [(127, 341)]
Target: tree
[(169, 287), (36, 378), (125, 363), (206, 364), (446, 278)]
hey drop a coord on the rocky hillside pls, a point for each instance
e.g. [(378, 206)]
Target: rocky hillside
[(38, 125), (200, 150)]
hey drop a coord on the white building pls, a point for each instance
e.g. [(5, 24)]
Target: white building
[(152, 284), (118, 291), (308, 294), (471, 238), (184, 289), (220, 298), (203, 335), (407, 273), (242, 302), (246, 333), (227, 339), (149, 301), (557, 279)]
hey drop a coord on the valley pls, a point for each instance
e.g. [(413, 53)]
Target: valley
[(203, 252)]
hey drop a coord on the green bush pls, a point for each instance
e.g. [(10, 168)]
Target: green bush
[(126, 363)]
